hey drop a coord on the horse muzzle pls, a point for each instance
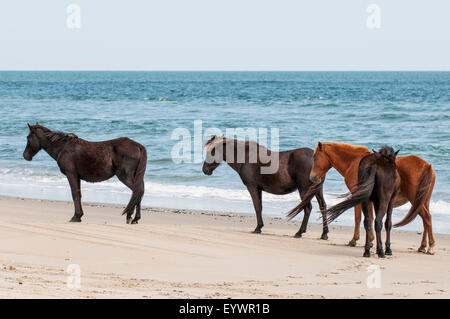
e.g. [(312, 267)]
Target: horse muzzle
[(207, 171), (27, 156)]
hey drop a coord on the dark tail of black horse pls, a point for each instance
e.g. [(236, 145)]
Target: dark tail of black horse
[(421, 196), (312, 191), (138, 183), (362, 193)]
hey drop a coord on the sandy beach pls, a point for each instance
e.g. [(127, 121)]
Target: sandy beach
[(192, 254)]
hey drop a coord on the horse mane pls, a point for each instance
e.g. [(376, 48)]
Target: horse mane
[(56, 136), (348, 147), (214, 141), (210, 140)]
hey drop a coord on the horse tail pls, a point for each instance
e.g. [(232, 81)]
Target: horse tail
[(141, 167), (310, 193), (138, 185), (362, 193), (421, 195)]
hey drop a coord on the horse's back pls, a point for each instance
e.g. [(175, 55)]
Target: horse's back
[(410, 169), (117, 141), (98, 161), (411, 162), (122, 146), (302, 155)]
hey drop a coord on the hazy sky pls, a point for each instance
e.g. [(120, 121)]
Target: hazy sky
[(225, 35)]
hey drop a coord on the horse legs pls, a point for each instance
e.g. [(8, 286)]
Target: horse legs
[(352, 242), (388, 226), (323, 207), (257, 204), (137, 216), (428, 231), (136, 197), (371, 214), (135, 200), (431, 241), (367, 226), (423, 244), (304, 224), (74, 182), (380, 211)]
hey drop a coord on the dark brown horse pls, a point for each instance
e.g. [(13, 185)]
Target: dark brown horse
[(93, 162), (263, 170), (379, 183)]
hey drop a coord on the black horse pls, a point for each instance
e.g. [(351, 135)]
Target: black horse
[(379, 183), (93, 162), (247, 159)]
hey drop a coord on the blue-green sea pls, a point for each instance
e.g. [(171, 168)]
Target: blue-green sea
[(407, 110)]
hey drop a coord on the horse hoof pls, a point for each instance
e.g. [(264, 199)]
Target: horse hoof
[(134, 222), (324, 237), (381, 255), (422, 250), (128, 220), (257, 231), (430, 251), (75, 220), (366, 254), (388, 252), (351, 243), (298, 235)]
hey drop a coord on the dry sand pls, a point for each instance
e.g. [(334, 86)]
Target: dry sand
[(187, 254)]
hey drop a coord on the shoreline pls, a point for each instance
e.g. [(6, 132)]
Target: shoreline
[(177, 253), (250, 214)]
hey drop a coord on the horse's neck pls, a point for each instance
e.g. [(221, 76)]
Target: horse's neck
[(341, 158), (235, 166), (52, 148)]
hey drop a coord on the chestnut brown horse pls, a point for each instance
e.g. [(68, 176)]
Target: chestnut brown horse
[(93, 162), (416, 183), (248, 159), (378, 183)]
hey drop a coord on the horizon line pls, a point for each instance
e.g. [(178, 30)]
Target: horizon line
[(219, 70)]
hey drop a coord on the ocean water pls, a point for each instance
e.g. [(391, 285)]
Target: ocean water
[(407, 110)]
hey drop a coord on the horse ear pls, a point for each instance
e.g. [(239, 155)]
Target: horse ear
[(319, 145), (30, 127), (395, 154), (37, 123)]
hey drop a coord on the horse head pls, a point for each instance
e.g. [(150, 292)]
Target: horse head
[(386, 152), (214, 154), (321, 164), (33, 143)]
